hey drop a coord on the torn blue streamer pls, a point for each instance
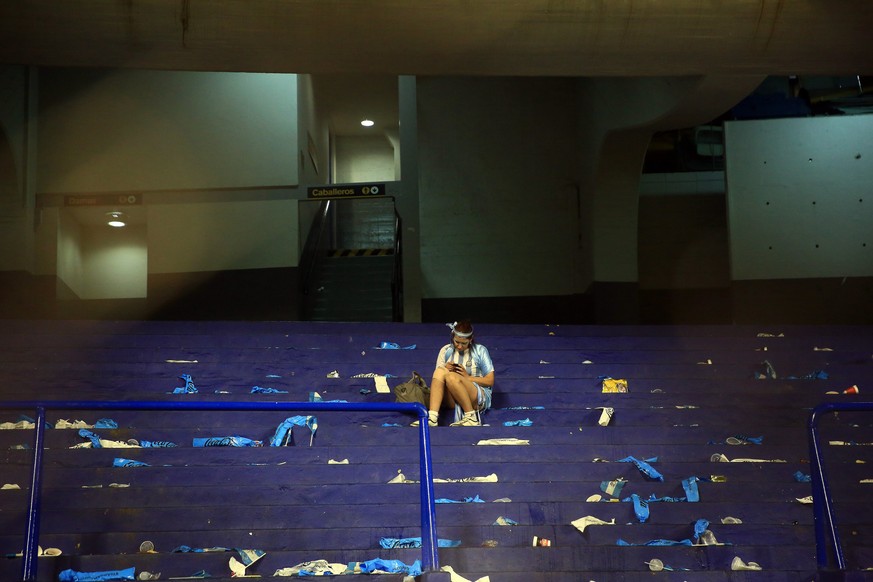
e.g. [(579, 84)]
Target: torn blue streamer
[(285, 431), (393, 346), (700, 526), (691, 492), (189, 549), (621, 542), (226, 441), (747, 439), (157, 444), (802, 477), (524, 408), (262, 390), (653, 499), (95, 440), (641, 508), (392, 566), (249, 557), (122, 462), (189, 387), (644, 467), (523, 422), (816, 375), (105, 423), (74, 576), (475, 499), (391, 543)]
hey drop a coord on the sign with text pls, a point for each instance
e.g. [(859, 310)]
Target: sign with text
[(102, 200), (346, 191)]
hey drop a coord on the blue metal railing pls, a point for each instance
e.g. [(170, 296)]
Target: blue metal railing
[(827, 539), (429, 557)]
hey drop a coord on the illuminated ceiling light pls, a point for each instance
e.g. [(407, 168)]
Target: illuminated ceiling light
[(116, 219), (367, 122)]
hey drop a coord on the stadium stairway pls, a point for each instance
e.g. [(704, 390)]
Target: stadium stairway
[(505, 511)]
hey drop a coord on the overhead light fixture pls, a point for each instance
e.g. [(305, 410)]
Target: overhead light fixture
[(115, 219), (367, 122)]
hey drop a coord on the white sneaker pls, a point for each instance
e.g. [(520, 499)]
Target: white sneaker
[(469, 419), (432, 419)]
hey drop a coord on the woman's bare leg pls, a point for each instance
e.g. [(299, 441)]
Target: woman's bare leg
[(461, 390)]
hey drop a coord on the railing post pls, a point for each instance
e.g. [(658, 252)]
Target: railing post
[(826, 534), (31, 532), (429, 541)]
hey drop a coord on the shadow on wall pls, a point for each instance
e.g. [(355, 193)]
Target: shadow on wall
[(11, 201), (249, 294)]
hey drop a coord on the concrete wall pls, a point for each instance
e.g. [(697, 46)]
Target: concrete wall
[(15, 239), (499, 210), (114, 262), (683, 231), (127, 130), (187, 238), (800, 197), (364, 159), (69, 254), (313, 135)]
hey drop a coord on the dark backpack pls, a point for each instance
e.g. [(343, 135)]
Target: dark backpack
[(413, 390)]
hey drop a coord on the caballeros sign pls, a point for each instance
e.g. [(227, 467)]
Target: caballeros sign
[(102, 200), (346, 191)]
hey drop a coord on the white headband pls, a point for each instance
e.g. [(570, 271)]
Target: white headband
[(459, 333)]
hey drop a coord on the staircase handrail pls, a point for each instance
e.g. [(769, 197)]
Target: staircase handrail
[(827, 539), (430, 559), (397, 275), (310, 254)]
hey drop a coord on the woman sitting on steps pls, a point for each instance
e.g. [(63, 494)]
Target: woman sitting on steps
[(464, 377)]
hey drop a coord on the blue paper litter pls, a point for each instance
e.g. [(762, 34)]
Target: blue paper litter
[(189, 387), (122, 462), (390, 543), (284, 432), (262, 390), (524, 422), (644, 467), (74, 576), (393, 346), (392, 566), (621, 542), (226, 441)]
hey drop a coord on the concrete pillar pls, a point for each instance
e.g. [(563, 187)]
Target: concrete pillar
[(617, 119)]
